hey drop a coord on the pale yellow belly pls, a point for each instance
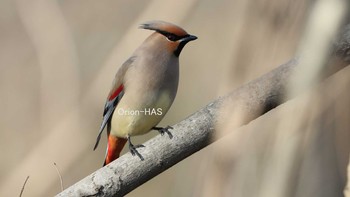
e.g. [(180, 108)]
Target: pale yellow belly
[(137, 118)]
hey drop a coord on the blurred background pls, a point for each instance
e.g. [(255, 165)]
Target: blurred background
[(58, 60)]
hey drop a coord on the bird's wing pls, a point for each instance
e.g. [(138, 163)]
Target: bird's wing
[(114, 96)]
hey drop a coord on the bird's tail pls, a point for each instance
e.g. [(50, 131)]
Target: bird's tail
[(115, 146)]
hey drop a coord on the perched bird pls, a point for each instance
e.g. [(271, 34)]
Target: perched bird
[(144, 88)]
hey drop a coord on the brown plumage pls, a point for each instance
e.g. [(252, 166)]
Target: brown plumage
[(144, 87)]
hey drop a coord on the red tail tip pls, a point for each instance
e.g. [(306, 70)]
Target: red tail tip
[(115, 146)]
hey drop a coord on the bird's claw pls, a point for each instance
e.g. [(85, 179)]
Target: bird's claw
[(163, 130), (133, 148)]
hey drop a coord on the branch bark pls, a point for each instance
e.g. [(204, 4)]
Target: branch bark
[(196, 131)]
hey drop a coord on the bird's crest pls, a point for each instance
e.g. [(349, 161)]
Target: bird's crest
[(164, 27)]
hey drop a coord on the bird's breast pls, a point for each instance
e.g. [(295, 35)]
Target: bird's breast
[(138, 116), (150, 88)]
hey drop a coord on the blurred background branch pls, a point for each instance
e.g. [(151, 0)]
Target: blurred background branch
[(347, 188)]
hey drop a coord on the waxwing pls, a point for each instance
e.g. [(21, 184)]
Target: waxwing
[(144, 88)]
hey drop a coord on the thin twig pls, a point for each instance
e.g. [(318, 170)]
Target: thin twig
[(24, 184), (59, 175)]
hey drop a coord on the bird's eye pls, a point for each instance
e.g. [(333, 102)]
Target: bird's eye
[(171, 37)]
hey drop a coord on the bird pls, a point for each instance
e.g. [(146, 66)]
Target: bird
[(143, 89)]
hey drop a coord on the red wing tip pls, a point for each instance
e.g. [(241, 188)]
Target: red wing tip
[(116, 92)]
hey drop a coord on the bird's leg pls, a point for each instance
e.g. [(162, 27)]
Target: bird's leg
[(133, 148), (163, 130)]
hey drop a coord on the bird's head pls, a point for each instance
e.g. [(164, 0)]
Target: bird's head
[(176, 37)]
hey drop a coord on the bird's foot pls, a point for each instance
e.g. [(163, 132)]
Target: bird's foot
[(163, 130), (133, 149)]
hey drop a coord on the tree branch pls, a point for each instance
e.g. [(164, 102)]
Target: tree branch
[(195, 132)]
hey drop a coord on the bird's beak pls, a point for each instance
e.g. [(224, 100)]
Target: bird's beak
[(189, 38)]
